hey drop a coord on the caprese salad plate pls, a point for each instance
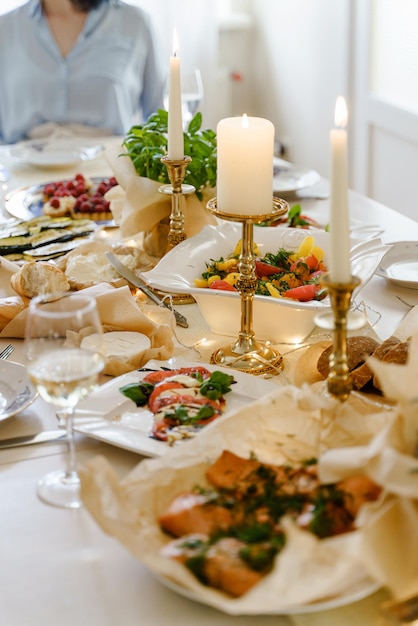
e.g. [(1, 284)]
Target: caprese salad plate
[(184, 397)]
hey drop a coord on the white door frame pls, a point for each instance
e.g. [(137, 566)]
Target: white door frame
[(369, 111)]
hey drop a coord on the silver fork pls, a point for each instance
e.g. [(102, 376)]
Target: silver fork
[(7, 351)]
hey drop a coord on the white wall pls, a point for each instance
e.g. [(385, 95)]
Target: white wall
[(300, 66)]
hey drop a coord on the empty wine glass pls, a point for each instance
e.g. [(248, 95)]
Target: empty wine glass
[(191, 95), (63, 373)]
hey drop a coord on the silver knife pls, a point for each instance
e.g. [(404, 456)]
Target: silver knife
[(26, 440), (141, 284)]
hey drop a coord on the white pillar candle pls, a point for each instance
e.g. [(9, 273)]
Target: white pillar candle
[(175, 142), (245, 148), (339, 261)]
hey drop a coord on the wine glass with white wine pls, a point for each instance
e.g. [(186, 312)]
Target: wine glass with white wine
[(63, 373)]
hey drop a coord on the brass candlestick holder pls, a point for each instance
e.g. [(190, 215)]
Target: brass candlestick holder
[(247, 354), (176, 169), (339, 380)]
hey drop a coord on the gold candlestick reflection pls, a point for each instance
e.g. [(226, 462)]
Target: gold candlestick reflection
[(176, 169), (247, 354), (339, 380)]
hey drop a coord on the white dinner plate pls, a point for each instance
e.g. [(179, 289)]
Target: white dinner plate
[(54, 153), (16, 390), (400, 264), (288, 177), (111, 417), (359, 592)]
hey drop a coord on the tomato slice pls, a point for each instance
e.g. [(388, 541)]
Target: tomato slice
[(196, 369), (303, 293), (162, 427), (310, 261), (156, 377), (222, 285), (265, 269), (154, 400)]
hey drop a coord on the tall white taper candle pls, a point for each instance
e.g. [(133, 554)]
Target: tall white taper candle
[(339, 261), (175, 141)]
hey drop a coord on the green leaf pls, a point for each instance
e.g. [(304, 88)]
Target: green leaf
[(138, 392), (217, 385)]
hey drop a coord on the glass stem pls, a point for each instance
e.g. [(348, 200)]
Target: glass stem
[(71, 471)]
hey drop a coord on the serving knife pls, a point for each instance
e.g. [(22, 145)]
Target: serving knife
[(132, 278), (26, 440)]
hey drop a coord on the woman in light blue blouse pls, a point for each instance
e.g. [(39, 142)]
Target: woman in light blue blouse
[(82, 62)]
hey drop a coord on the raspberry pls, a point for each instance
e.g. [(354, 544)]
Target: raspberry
[(55, 202), (85, 207)]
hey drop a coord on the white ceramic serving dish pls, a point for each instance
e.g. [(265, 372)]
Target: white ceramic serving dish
[(277, 320)]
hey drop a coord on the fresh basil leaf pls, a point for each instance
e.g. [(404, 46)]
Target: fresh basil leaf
[(146, 144), (138, 392), (217, 385)]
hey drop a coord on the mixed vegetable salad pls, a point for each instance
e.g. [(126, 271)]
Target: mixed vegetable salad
[(282, 274)]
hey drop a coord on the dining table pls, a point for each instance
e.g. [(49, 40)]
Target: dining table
[(58, 566)]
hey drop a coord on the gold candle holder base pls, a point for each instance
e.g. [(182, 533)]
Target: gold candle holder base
[(247, 354), (339, 382), (176, 169)]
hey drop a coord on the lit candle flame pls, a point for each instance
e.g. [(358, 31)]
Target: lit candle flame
[(341, 115), (175, 43), (245, 121)]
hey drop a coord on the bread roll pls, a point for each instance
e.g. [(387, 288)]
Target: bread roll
[(10, 307), (397, 353), (363, 374), (39, 277), (358, 348)]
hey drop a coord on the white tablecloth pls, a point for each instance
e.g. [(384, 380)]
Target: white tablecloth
[(58, 567)]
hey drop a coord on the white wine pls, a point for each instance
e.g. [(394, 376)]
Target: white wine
[(64, 377)]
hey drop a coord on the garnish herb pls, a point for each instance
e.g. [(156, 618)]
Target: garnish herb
[(181, 414)]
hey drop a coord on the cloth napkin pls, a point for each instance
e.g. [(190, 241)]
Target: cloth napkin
[(120, 311), (137, 206)]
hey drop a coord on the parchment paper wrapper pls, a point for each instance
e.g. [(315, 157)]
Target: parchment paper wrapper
[(286, 426), (137, 206), (7, 269), (119, 311)]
